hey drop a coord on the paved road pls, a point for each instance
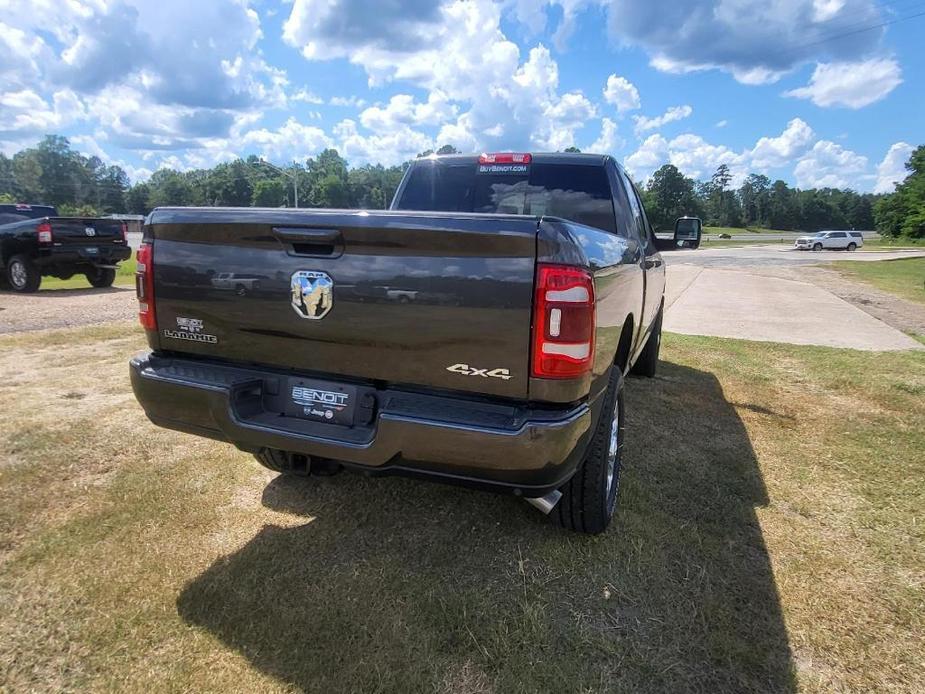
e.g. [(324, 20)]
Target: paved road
[(776, 255), (729, 293)]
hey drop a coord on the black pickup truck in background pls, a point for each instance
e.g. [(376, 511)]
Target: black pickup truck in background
[(35, 241), (477, 333)]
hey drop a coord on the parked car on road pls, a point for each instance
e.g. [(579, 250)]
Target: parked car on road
[(541, 289), (240, 284), (830, 240), (35, 241)]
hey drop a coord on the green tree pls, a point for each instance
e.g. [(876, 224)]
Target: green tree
[(169, 188), (228, 185), (269, 192), (445, 149), (27, 176), (755, 198), (331, 191), (669, 195), (902, 213), (136, 200), (722, 205), (782, 207)]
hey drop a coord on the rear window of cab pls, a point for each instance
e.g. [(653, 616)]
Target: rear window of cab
[(576, 192)]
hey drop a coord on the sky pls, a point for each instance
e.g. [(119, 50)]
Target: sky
[(816, 92)]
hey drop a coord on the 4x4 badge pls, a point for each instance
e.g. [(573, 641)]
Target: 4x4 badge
[(467, 370)]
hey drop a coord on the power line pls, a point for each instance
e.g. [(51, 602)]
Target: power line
[(864, 29)]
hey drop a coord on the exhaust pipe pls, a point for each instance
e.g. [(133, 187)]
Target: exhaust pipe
[(547, 503)]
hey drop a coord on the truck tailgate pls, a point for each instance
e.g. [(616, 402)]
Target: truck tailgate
[(87, 231), (439, 300)]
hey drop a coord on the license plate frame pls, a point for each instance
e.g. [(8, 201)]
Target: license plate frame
[(321, 401)]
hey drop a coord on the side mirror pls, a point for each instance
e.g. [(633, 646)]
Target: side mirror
[(688, 232)]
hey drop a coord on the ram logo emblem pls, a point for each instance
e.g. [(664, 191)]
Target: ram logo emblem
[(312, 294)]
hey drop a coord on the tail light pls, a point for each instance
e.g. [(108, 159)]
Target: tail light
[(124, 227), (144, 286), (43, 231), (563, 322)]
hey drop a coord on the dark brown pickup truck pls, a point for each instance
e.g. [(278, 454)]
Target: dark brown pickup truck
[(476, 333)]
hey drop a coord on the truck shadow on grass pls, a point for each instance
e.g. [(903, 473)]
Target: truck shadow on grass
[(395, 585)]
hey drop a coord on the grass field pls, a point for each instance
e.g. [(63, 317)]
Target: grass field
[(904, 277), (885, 244), (769, 538), (125, 276)]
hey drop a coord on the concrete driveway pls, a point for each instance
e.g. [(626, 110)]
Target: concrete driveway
[(727, 293)]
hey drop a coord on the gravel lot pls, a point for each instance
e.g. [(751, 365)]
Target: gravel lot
[(65, 308), (75, 307)]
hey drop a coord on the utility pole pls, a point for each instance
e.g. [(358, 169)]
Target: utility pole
[(294, 175)]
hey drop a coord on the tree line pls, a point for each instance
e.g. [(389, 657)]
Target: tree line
[(757, 202), (902, 212), (52, 172)]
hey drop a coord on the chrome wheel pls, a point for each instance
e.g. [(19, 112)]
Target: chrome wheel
[(18, 274), (612, 449)]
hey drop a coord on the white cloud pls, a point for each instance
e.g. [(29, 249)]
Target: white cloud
[(291, 141), (892, 169), (187, 80), (622, 93), (454, 48), (754, 40), (698, 158), (402, 109), (26, 114), (350, 101), (652, 153), (771, 152), (307, 96), (852, 85), (399, 144), (829, 165), (722, 124), (674, 113), (609, 140)]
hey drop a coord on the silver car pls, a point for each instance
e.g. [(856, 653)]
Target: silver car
[(830, 240)]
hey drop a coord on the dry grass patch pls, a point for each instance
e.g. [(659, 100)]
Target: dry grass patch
[(768, 539)]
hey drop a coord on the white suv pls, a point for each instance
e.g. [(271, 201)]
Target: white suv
[(833, 240)]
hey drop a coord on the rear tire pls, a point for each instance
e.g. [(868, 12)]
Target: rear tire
[(647, 363), (102, 277), (590, 497), (22, 274), (852, 246), (283, 462)]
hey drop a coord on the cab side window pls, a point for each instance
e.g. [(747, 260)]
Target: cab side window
[(649, 235), (639, 215)]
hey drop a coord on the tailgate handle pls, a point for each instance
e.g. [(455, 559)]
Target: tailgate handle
[(304, 241)]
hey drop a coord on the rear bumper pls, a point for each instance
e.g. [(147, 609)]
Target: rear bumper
[(78, 255), (505, 448)]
